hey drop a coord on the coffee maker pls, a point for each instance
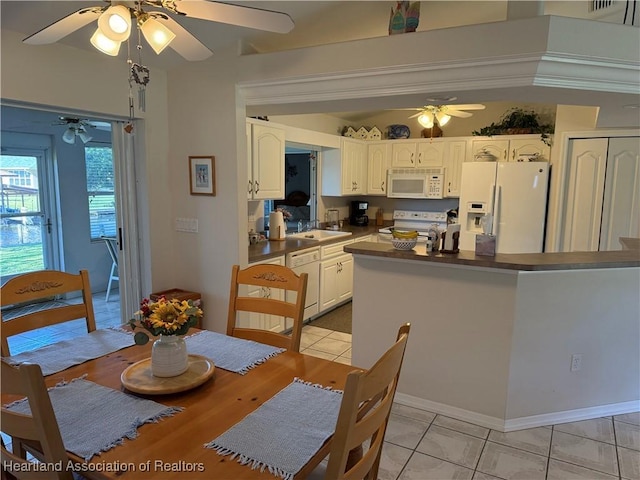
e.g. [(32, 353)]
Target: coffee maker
[(359, 213)]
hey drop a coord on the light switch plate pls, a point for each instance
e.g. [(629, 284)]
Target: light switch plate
[(186, 225)]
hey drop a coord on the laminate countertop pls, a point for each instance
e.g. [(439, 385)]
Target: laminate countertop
[(274, 248), (505, 261)]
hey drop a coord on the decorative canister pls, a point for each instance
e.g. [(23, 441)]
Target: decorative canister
[(169, 356)]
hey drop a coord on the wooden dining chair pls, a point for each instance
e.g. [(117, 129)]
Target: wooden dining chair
[(364, 414), (32, 287), (267, 276), (37, 434)]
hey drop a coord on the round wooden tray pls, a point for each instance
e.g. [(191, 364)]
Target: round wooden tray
[(139, 379)]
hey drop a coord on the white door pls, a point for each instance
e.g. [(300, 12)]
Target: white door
[(379, 154), (621, 204), (268, 162)]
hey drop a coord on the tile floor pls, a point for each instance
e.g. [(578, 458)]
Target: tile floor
[(421, 445)]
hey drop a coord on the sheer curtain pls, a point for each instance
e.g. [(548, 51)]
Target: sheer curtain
[(129, 266)]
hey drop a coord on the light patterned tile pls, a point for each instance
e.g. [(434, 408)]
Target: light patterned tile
[(334, 347), (600, 429), (321, 332), (460, 426), (452, 446), (344, 360), (405, 431), (308, 339), (319, 354), (483, 476), (633, 418), (424, 467), (594, 455), (392, 461), (411, 412), (510, 463), (534, 440), (629, 463), (627, 435), (566, 471), (347, 354), (345, 337)]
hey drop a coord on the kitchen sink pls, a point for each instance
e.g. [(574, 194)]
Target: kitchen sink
[(318, 235)]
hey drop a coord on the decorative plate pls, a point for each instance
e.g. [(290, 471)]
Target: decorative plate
[(398, 131)]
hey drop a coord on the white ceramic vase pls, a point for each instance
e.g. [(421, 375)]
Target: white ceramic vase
[(169, 356)]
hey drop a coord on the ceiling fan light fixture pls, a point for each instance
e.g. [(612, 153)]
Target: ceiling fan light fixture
[(156, 34), (69, 136), (84, 136), (426, 119), (442, 118), (105, 44), (115, 23)]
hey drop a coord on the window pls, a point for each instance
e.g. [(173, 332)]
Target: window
[(100, 190)]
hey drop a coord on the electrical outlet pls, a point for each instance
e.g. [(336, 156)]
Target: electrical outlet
[(576, 362)]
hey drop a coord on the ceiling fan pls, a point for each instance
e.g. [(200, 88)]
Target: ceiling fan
[(429, 115), (157, 24), (79, 127)]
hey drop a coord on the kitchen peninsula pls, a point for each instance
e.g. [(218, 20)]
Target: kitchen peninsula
[(509, 342)]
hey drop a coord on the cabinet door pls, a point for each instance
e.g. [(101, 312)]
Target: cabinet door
[(430, 154), (344, 278), (522, 150), (403, 155), (495, 148), (354, 179), (328, 284), (249, 163), (267, 162), (587, 165), (621, 204), (379, 155), (455, 155)]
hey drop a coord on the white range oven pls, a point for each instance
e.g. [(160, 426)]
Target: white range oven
[(306, 261), (429, 226)]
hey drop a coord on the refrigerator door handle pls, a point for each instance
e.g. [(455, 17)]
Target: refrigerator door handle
[(496, 210)]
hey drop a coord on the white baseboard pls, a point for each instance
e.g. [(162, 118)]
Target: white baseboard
[(521, 422)]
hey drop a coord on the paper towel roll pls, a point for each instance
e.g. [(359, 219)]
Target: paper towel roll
[(277, 227)]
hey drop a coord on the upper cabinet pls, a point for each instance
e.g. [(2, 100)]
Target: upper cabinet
[(378, 161), (266, 162), (455, 154), (417, 154), (516, 148), (344, 170)]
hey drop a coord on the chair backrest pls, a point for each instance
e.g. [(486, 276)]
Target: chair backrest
[(364, 414), (270, 277), (37, 433), (37, 286)]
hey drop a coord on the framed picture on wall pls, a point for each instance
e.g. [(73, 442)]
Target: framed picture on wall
[(202, 175)]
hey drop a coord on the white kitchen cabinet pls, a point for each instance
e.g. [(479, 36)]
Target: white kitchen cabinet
[(344, 170), (509, 148), (336, 280), (378, 161), (455, 155), (263, 321), (417, 154), (266, 162)]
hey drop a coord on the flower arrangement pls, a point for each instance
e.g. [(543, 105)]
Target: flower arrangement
[(286, 214), (164, 317)]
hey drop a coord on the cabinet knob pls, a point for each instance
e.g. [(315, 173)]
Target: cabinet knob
[(249, 189), (412, 158), (257, 189), (382, 186)]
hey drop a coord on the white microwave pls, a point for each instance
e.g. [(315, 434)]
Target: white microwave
[(415, 183)]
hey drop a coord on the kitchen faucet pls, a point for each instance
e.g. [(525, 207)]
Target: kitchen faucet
[(312, 224)]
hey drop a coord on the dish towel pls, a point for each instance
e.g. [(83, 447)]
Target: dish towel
[(230, 353), (67, 353), (284, 432), (86, 430)]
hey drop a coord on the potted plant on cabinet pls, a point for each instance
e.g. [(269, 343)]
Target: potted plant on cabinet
[(517, 121)]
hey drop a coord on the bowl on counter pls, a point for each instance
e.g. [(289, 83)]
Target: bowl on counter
[(404, 243)]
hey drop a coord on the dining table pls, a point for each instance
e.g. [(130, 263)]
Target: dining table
[(174, 446)]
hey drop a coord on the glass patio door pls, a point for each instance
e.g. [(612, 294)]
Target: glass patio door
[(25, 220)]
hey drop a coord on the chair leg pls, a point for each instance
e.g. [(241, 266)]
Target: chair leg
[(113, 267)]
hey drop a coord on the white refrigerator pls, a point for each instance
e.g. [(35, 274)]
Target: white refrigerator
[(513, 196)]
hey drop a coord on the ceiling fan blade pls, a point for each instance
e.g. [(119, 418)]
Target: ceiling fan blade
[(416, 115), (185, 44), (250, 17), (469, 106), (63, 27), (457, 113), (106, 126)]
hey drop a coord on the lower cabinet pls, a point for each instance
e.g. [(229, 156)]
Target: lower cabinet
[(336, 280), (263, 321)]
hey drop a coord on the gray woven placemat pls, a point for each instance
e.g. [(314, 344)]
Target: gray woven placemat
[(284, 432), (94, 419), (62, 355), (230, 353)]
